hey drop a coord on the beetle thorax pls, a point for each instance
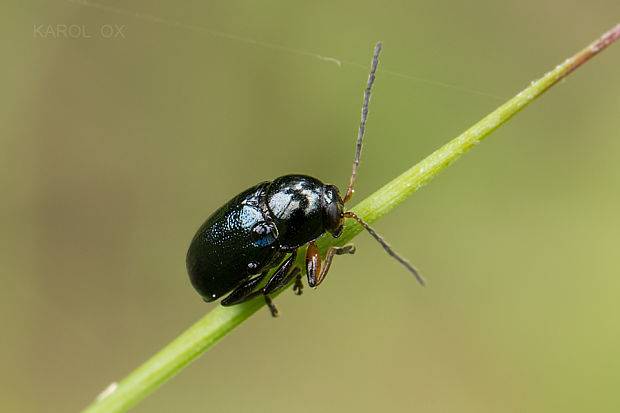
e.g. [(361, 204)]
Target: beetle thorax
[(295, 204)]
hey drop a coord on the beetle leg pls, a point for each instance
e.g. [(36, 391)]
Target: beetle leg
[(347, 249), (275, 287), (294, 272), (298, 287), (271, 305), (282, 275), (244, 291), (313, 262)]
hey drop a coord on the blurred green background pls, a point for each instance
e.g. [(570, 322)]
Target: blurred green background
[(116, 146)]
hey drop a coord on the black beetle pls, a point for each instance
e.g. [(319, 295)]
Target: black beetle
[(238, 244)]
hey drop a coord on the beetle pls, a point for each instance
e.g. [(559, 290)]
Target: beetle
[(263, 228)]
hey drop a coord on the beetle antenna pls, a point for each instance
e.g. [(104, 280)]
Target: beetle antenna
[(360, 135), (385, 246)]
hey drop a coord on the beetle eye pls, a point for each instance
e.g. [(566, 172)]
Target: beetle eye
[(333, 217), (334, 220), (264, 234)]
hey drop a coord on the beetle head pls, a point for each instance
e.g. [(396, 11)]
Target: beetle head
[(333, 210)]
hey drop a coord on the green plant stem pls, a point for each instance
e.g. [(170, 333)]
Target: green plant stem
[(217, 323)]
